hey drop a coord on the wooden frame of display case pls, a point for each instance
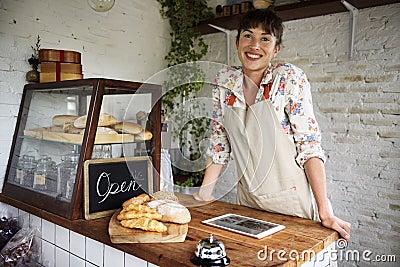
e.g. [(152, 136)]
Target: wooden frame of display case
[(100, 87)]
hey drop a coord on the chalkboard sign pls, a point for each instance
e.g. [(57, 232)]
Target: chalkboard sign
[(109, 182)]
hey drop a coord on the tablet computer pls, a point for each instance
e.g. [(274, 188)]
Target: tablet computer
[(244, 225)]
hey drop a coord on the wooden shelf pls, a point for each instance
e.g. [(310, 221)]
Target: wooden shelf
[(294, 11)]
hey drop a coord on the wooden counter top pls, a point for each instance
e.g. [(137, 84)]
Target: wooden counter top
[(299, 235)]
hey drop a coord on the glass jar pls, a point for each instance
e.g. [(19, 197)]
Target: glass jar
[(19, 175), (51, 179), (107, 152), (40, 175), (29, 171), (66, 172)]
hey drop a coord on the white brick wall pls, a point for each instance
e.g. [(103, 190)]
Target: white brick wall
[(357, 106), (129, 43)]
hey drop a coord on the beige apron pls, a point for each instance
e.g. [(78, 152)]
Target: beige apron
[(269, 177)]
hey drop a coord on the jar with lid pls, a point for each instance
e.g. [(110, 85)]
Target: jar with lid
[(51, 179), (29, 171), (19, 175), (40, 174), (67, 174)]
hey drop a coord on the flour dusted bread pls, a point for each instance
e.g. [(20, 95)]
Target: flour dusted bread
[(105, 119), (128, 127), (59, 120), (171, 211), (146, 224)]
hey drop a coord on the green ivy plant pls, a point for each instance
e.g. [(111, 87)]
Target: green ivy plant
[(187, 45)]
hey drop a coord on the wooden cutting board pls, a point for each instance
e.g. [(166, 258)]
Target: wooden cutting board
[(119, 234)]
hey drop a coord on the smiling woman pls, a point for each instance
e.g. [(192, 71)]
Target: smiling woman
[(263, 112)]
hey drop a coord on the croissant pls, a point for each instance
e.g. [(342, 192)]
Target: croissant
[(136, 200), (133, 214), (139, 207), (146, 224)]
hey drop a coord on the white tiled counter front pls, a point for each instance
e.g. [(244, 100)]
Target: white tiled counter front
[(61, 247)]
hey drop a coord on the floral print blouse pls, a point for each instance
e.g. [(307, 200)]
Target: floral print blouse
[(290, 96)]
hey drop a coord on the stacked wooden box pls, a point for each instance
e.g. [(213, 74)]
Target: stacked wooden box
[(59, 65)]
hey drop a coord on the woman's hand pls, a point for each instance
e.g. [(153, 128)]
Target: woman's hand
[(342, 227), (199, 197)]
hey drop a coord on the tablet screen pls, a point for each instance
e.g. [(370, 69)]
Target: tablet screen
[(244, 225)]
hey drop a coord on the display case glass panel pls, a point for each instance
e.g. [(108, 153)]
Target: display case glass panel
[(62, 124)]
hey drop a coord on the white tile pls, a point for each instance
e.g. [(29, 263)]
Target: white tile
[(8, 210), (62, 258), (88, 264), (131, 260), (22, 213), (12, 211), (48, 254), (62, 237), (77, 244), (113, 257), (23, 218), (75, 261), (48, 231), (94, 251), (151, 265), (35, 221)]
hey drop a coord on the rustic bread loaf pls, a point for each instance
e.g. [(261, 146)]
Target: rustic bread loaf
[(171, 211), (128, 127), (59, 120)]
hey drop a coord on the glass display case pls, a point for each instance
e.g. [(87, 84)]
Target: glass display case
[(62, 124)]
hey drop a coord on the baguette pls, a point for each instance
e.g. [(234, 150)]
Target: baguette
[(143, 136), (105, 119), (101, 130), (128, 127)]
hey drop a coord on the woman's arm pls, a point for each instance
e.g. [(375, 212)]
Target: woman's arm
[(315, 172), (211, 175), (218, 153)]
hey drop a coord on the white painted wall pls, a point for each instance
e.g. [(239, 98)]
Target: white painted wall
[(356, 102)]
